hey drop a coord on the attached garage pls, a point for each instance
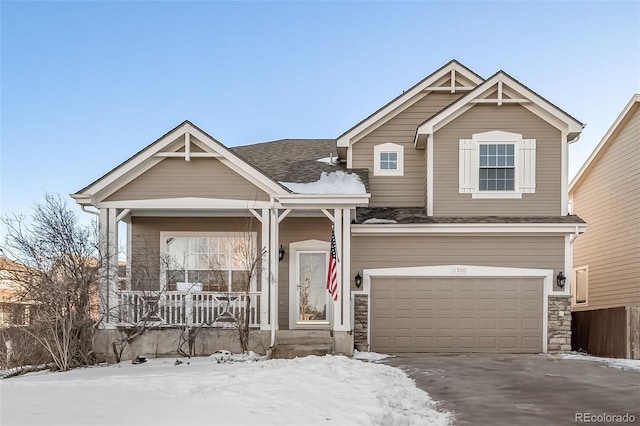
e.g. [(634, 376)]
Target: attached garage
[(457, 309)]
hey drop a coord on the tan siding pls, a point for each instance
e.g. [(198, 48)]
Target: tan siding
[(292, 230), (201, 177), (543, 252), (547, 198), (608, 199), (145, 244), (407, 190)]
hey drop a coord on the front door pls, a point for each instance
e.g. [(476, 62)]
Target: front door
[(311, 295)]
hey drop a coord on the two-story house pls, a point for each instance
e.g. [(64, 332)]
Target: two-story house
[(449, 211)]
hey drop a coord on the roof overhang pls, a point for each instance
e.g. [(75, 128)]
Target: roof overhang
[(613, 131), (509, 92), (469, 228), (407, 98), (321, 201), (166, 147)]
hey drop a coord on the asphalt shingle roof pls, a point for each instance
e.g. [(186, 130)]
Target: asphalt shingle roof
[(295, 160), (417, 215)]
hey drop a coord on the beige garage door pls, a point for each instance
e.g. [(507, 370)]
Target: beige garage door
[(421, 314)]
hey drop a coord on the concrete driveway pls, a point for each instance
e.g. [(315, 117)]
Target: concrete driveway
[(498, 389)]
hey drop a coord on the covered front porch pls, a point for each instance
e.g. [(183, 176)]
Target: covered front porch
[(218, 264)]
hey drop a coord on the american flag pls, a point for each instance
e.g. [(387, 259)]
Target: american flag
[(332, 270)]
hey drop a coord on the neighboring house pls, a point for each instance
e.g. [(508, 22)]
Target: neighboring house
[(13, 309), (606, 193), (449, 205)]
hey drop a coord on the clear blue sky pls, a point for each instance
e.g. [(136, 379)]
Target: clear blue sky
[(84, 85)]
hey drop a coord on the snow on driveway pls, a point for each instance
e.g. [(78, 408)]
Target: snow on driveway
[(304, 391), (620, 363)]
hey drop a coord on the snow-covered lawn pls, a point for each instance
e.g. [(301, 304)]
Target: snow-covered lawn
[(624, 364), (304, 391)]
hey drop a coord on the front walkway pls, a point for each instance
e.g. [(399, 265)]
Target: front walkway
[(502, 389)]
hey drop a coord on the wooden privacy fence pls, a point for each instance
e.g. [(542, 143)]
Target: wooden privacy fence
[(213, 309)]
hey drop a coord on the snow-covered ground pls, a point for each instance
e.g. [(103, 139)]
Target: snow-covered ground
[(304, 391), (624, 364)]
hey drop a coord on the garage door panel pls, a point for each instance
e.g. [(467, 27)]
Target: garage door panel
[(509, 324), (509, 343), (530, 324), (456, 314), (487, 324)]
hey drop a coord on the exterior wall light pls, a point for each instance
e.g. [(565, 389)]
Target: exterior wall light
[(560, 280), (358, 280), (281, 253)]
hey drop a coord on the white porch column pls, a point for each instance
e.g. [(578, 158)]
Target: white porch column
[(266, 253), (105, 269), (337, 308), (346, 270), (112, 241), (108, 234), (273, 272)]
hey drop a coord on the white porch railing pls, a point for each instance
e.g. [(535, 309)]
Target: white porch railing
[(213, 309)]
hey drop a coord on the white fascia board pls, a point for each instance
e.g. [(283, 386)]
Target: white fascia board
[(185, 203), (345, 139), (146, 159), (323, 200), (538, 106), (635, 100), (469, 228), (137, 160)]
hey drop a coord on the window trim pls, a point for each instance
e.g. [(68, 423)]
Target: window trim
[(574, 286), (524, 164), (202, 234), (388, 147)]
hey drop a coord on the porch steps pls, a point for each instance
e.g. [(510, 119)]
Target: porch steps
[(298, 343)]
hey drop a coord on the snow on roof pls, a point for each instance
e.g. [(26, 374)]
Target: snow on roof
[(337, 182), (327, 160), (374, 220)]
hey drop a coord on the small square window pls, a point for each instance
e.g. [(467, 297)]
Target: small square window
[(388, 161)]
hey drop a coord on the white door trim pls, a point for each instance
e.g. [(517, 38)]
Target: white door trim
[(461, 271), (294, 249)]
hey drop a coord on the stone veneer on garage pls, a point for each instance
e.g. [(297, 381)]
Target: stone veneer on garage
[(360, 321), (558, 326)]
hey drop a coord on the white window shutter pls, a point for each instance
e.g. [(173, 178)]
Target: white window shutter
[(467, 168), (527, 166)]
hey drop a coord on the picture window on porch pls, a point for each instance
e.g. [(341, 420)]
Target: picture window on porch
[(217, 261)]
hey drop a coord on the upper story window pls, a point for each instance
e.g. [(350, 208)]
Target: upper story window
[(388, 160), (497, 167), (497, 164), (215, 261)]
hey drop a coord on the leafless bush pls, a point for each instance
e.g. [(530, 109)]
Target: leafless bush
[(60, 277)]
